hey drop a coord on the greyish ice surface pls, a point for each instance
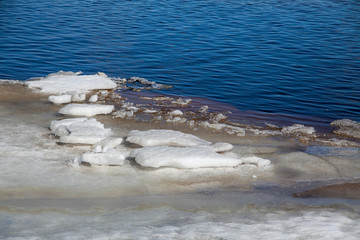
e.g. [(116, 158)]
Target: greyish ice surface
[(51, 189)]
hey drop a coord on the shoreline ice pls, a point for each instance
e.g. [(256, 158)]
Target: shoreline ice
[(110, 187)]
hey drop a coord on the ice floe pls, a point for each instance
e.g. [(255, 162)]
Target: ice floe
[(93, 98), (298, 129), (347, 127), (176, 113), (182, 157), (222, 147), (107, 144), (87, 110), (225, 127), (63, 82), (80, 131), (260, 162), (60, 99), (164, 137), (111, 157)]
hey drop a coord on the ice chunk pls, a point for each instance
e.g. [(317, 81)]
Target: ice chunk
[(85, 138), (225, 127), (347, 128), (63, 82), (218, 117), (222, 147), (111, 157), (77, 96), (124, 113), (260, 162), (182, 157), (176, 120), (176, 113), (147, 83), (61, 99), (298, 129), (181, 101), (93, 98), (87, 110), (65, 122), (80, 131), (164, 137), (108, 144)]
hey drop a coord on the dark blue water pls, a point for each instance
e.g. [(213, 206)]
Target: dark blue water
[(296, 57)]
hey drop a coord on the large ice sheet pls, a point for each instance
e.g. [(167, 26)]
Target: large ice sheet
[(63, 82), (182, 157), (164, 137), (87, 110), (80, 130)]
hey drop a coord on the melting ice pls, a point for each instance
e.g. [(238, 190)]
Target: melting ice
[(101, 177)]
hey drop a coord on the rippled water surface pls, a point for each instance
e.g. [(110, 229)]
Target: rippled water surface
[(295, 57)]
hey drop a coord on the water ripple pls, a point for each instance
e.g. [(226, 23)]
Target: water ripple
[(292, 57)]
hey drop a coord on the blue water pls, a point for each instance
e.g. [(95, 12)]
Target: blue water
[(293, 57)]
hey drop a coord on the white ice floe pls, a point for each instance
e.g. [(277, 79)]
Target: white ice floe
[(124, 113), (60, 99), (86, 110), (181, 101), (265, 132), (175, 119), (111, 157), (107, 144), (150, 111), (222, 147), (65, 122), (176, 113), (93, 98), (298, 129), (260, 162), (164, 137), (63, 82), (77, 96), (182, 157), (80, 131)]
